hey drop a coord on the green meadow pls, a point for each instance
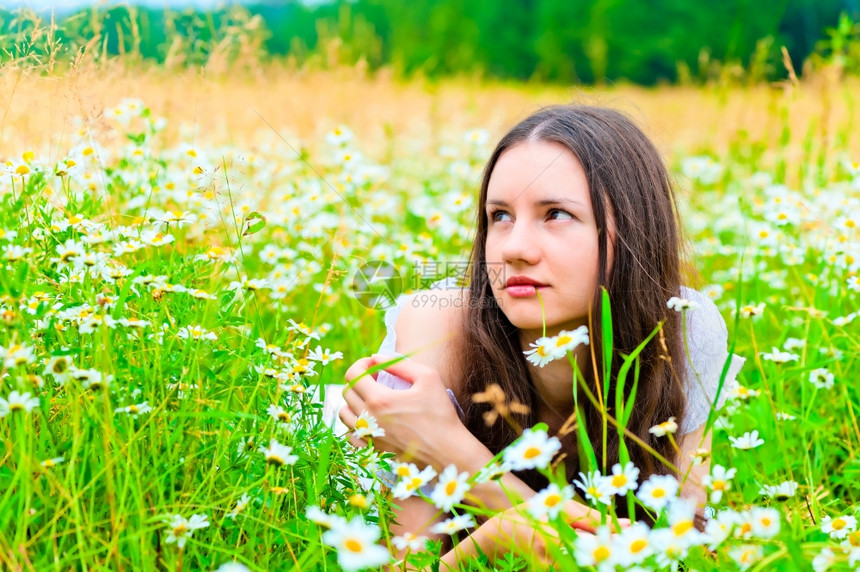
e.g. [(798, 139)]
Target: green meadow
[(187, 265)]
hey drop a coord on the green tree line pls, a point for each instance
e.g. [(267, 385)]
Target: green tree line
[(584, 41)]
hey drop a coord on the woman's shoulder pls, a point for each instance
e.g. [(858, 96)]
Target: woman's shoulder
[(710, 370), (428, 329)]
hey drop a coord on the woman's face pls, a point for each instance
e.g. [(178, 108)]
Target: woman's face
[(541, 228)]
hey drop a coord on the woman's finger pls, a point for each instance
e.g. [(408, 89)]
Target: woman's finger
[(354, 401), (347, 417), (412, 371), (359, 368), (357, 442)]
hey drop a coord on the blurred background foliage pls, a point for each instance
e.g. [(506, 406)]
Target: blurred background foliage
[(559, 41)]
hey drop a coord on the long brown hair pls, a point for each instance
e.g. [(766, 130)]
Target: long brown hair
[(630, 186)]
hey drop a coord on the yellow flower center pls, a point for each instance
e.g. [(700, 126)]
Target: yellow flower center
[(361, 423), (600, 553), (358, 500), (682, 527), (531, 453), (552, 500), (658, 493), (403, 471), (450, 488), (619, 481), (838, 523), (638, 546), (719, 485)]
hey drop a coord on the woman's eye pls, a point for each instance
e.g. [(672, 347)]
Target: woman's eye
[(558, 214), (498, 216)]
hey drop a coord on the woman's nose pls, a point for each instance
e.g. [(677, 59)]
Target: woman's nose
[(520, 245)]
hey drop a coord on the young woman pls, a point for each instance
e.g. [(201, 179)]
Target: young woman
[(574, 200)]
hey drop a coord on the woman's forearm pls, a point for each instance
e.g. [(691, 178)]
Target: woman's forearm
[(471, 455)]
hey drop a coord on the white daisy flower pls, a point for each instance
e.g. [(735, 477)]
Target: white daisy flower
[(838, 527), (17, 355), (824, 560), (749, 440), (408, 486), (718, 529), (94, 322), (543, 352), (133, 322), (454, 524), (596, 550), (779, 357), (821, 378), (181, 529), (657, 491), (196, 333), (752, 310), (669, 549), (718, 482), (409, 541), (277, 454), (533, 450), (51, 463), (324, 356), (279, 414), (742, 393), (566, 341), (664, 428), (596, 487), (746, 555), (135, 409), (241, 505), (549, 501), (623, 479), (490, 472), (366, 426), (18, 402), (680, 516), (450, 489), (765, 522), (681, 304), (632, 545)]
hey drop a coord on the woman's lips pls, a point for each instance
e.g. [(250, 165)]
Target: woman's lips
[(522, 290)]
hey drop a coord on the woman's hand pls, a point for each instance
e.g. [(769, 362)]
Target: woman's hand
[(513, 531), (420, 422)]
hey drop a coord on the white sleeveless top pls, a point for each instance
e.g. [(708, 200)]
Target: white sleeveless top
[(707, 338)]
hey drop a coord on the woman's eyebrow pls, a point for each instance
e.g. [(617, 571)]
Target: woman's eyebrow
[(540, 203)]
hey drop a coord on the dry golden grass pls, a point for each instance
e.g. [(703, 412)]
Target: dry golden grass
[(387, 114)]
